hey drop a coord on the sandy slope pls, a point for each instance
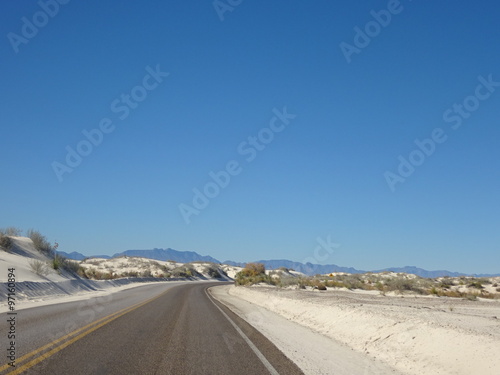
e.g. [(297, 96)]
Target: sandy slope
[(424, 335), (58, 286), (313, 353)]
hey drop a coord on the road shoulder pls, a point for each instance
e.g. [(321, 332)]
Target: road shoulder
[(311, 351)]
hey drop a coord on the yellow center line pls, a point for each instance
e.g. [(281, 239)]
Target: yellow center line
[(52, 343), (107, 319)]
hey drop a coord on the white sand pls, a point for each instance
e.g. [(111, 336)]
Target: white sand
[(414, 335), (312, 352), (59, 286)]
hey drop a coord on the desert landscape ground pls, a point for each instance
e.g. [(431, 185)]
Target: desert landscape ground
[(373, 323)]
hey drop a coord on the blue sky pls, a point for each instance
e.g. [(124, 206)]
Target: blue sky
[(323, 176)]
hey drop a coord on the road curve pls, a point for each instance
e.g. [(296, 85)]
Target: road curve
[(180, 329)]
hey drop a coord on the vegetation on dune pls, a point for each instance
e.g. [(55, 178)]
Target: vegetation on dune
[(5, 241), (212, 271), (253, 273), (40, 242), (463, 287), (39, 267), (5, 237)]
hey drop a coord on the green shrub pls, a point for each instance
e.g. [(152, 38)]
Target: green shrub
[(56, 263)]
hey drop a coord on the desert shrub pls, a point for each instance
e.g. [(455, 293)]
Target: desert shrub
[(402, 284), (254, 273), (471, 297), (476, 284), (40, 242), (446, 283), (12, 231), (250, 280), (81, 272), (184, 271), (56, 262), (146, 273), (320, 286), (349, 281), (212, 271), (253, 269), (453, 293), (92, 273), (288, 281), (5, 241), (39, 267), (69, 265)]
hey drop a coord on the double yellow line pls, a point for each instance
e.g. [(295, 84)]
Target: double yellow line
[(60, 343)]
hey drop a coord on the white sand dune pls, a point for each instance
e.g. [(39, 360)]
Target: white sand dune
[(59, 285), (414, 335)]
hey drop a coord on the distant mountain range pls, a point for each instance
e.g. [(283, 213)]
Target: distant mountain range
[(307, 268), (168, 254), (157, 254)]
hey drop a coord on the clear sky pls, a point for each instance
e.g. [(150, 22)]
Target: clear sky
[(354, 89)]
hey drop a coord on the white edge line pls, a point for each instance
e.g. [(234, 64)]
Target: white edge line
[(257, 352)]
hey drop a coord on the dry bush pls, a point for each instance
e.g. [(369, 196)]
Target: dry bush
[(184, 271), (254, 273), (40, 242), (39, 267), (212, 271), (11, 231), (70, 265), (253, 269), (5, 241), (146, 273)]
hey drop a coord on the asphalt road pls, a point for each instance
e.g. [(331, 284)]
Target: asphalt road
[(155, 329)]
